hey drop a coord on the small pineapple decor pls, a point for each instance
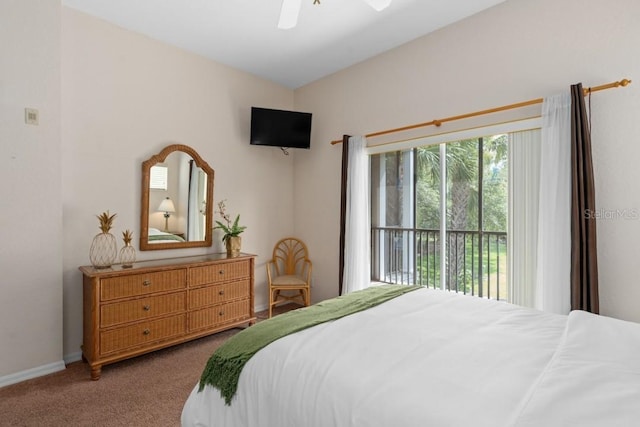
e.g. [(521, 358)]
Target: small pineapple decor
[(104, 249), (128, 252)]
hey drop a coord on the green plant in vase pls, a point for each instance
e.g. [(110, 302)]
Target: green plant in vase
[(232, 230)]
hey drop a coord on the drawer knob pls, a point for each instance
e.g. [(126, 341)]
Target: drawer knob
[(146, 283), (146, 307), (221, 313), (221, 293), (221, 272), (146, 332)]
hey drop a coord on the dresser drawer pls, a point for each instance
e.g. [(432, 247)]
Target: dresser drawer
[(142, 308), (216, 294), (141, 284), (141, 333), (216, 273), (218, 315)]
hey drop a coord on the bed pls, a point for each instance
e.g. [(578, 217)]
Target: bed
[(157, 236), (434, 358)]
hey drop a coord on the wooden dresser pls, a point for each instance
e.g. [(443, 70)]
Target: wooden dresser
[(155, 304)]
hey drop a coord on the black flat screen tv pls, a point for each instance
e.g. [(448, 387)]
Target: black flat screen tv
[(280, 128)]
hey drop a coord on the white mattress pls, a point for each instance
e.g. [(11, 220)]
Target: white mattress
[(433, 358)]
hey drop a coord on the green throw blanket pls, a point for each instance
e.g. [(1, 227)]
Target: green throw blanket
[(224, 366)]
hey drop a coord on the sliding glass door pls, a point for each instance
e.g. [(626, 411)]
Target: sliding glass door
[(439, 216)]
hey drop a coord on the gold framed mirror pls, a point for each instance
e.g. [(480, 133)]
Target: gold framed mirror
[(176, 200)]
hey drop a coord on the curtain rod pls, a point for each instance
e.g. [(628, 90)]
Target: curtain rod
[(437, 123)]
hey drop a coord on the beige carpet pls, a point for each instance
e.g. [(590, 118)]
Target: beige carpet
[(149, 390)]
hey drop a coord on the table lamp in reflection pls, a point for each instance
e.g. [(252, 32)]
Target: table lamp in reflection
[(168, 208)]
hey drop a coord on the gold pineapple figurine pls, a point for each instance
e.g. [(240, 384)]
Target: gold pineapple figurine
[(128, 252), (104, 249)]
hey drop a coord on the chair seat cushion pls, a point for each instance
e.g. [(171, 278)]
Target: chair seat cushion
[(288, 280)]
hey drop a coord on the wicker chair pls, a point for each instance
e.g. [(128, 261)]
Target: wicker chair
[(289, 270)]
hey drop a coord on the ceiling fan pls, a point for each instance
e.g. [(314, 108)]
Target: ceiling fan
[(291, 8)]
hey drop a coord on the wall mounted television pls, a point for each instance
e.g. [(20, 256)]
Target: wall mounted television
[(280, 128)]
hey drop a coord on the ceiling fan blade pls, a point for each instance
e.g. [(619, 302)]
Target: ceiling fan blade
[(378, 4), (289, 14)]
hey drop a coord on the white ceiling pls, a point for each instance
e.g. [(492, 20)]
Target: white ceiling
[(243, 33)]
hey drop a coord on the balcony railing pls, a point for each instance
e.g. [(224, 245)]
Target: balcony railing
[(475, 262)]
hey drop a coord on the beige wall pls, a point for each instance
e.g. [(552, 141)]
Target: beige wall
[(30, 194), (516, 51), (125, 97)]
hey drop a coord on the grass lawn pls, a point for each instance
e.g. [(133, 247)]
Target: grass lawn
[(494, 268)]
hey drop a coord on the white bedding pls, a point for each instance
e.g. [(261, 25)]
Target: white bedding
[(433, 358), (593, 378)]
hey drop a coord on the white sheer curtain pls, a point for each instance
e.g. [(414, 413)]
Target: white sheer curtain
[(553, 289), (524, 194), (197, 191), (357, 248)]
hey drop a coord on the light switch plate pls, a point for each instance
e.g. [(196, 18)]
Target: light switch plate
[(31, 116)]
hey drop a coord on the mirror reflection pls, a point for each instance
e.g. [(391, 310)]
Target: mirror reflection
[(176, 200)]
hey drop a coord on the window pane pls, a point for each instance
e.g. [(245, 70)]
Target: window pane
[(391, 189), (494, 187), (392, 217), (462, 185), (428, 196), (428, 188), (158, 178), (494, 215), (462, 214)]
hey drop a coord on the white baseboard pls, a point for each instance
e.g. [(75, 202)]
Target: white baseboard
[(32, 373), (73, 357)]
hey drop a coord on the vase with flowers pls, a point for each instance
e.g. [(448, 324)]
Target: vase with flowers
[(231, 229)]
